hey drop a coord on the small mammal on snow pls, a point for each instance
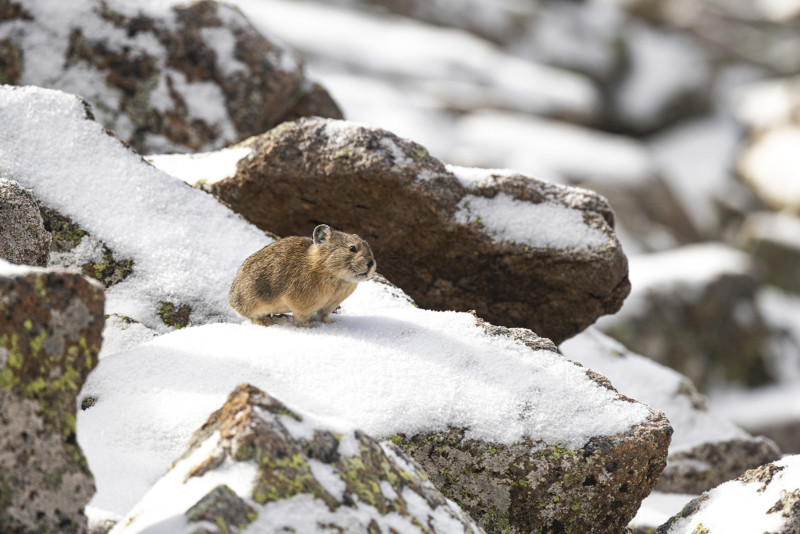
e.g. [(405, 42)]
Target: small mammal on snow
[(301, 275)]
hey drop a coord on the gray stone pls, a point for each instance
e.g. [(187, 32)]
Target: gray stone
[(50, 333), (23, 238)]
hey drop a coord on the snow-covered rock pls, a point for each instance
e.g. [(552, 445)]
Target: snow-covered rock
[(258, 466), (163, 78), (439, 231), (24, 239), (765, 499), (706, 449), (695, 309), (50, 333)]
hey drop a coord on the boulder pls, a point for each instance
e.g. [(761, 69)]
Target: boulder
[(258, 466), (765, 499), (51, 325), (519, 251), (23, 238), (525, 487), (695, 310), (706, 448), (164, 79)]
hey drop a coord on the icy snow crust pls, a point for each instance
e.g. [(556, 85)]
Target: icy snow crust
[(384, 366)]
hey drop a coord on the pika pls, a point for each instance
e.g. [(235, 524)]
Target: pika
[(301, 275)]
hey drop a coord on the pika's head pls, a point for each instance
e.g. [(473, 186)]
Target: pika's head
[(347, 255)]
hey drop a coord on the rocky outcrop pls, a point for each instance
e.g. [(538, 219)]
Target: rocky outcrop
[(694, 309), (766, 499), (525, 487), (292, 473), (519, 251), (50, 333), (23, 238), (195, 76)]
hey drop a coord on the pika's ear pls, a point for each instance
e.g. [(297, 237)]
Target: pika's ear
[(321, 234)]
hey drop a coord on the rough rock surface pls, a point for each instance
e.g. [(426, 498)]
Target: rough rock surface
[(527, 488), (765, 499), (50, 333), (196, 76), (425, 228), (302, 476), (23, 238), (697, 318)]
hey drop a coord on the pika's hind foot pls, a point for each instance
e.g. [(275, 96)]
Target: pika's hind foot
[(268, 320)]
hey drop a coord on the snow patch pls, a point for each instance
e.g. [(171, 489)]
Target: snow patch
[(544, 225)]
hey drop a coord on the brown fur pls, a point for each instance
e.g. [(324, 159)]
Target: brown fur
[(301, 276)]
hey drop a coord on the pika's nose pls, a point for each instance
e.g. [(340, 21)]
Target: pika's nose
[(370, 263)]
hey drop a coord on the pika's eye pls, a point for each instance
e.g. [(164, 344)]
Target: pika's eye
[(353, 248)]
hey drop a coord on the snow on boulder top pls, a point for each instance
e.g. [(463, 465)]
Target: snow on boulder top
[(186, 247), (384, 365)]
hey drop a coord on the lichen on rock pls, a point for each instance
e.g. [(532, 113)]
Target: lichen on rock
[(304, 476), (50, 334)]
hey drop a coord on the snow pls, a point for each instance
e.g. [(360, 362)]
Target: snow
[(738, 507), (385, 365), (771, 165), (544, 225), (201, 167)]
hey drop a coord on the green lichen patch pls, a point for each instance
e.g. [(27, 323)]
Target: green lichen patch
[(66, 234), (175, 316), (224, 508), (283, 477), (108, 271)]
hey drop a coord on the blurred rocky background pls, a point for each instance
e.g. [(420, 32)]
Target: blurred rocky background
[(683, 113)]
